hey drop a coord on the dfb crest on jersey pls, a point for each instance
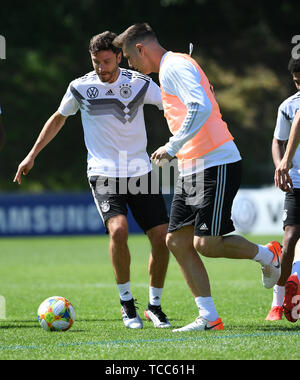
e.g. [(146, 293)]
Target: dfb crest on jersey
[(92, 92), (125, 91), (105, 206)]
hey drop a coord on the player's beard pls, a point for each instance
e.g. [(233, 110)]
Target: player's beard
[(107, 76)]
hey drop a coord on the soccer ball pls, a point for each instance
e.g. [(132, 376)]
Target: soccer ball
[(56, 314)]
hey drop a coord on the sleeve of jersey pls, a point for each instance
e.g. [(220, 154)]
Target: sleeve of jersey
[(69, 105), (153, 95), (283, 125), (183, 80)]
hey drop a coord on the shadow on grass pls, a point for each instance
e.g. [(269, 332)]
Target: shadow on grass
[(246, 328), (32, 324), (77, 320), (19, 327)]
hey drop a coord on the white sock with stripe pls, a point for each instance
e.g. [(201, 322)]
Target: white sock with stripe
[(155, 295), (207, 308), (125, 292)]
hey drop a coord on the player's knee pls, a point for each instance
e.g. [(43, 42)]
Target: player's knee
[(177, 245), (173, 243), (159, 244), (119, 234), (204, 246), (157, 237)]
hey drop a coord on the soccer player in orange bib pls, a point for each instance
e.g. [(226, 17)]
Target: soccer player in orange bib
[(210, 172)]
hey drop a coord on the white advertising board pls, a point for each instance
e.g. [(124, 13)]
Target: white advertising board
[(259, 211)]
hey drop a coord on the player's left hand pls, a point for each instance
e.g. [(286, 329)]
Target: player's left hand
[(282, 178), (160, 156)]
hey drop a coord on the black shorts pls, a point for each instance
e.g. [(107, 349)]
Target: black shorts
[(204, 200), (291, 214), (113, 195)]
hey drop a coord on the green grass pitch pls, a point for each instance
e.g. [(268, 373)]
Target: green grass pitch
[(79, 269)]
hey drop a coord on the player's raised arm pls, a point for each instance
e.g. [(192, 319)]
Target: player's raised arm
[(49, 131)]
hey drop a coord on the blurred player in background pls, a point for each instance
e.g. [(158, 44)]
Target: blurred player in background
[(111, 101), (1, 130), (207, 156), (287, 178)]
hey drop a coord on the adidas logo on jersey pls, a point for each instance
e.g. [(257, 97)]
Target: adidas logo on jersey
[(109, 92), (203, 227)]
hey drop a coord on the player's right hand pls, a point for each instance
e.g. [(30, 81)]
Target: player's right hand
[(24, 168), (282, 178)]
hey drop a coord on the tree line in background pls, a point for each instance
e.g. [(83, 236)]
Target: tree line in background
[(243, 46)]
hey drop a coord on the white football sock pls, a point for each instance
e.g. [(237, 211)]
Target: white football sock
[(264, 256), (278, 295), (124, 291), (207, 308), (296, 268), (155, 295)]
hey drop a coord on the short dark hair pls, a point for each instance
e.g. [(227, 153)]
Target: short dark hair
[(103, 41), (134, 33), (294, 65)]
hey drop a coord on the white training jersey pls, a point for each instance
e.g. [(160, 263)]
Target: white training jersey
[(286, 114), (113, 121), (179, 77)]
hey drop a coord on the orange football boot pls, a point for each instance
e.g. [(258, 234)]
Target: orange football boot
[(202, 324), (271, 273), (275, 314)]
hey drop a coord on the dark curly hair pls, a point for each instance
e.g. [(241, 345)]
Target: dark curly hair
[(103, 41)]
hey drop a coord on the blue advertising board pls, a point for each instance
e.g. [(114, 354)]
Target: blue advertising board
[(52, 214)]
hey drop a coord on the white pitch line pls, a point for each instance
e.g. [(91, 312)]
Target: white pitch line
[(147, 341)]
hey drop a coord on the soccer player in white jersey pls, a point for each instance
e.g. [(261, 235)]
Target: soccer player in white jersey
[(287, 178), (210, 165), (1, 130), (111, 102)]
